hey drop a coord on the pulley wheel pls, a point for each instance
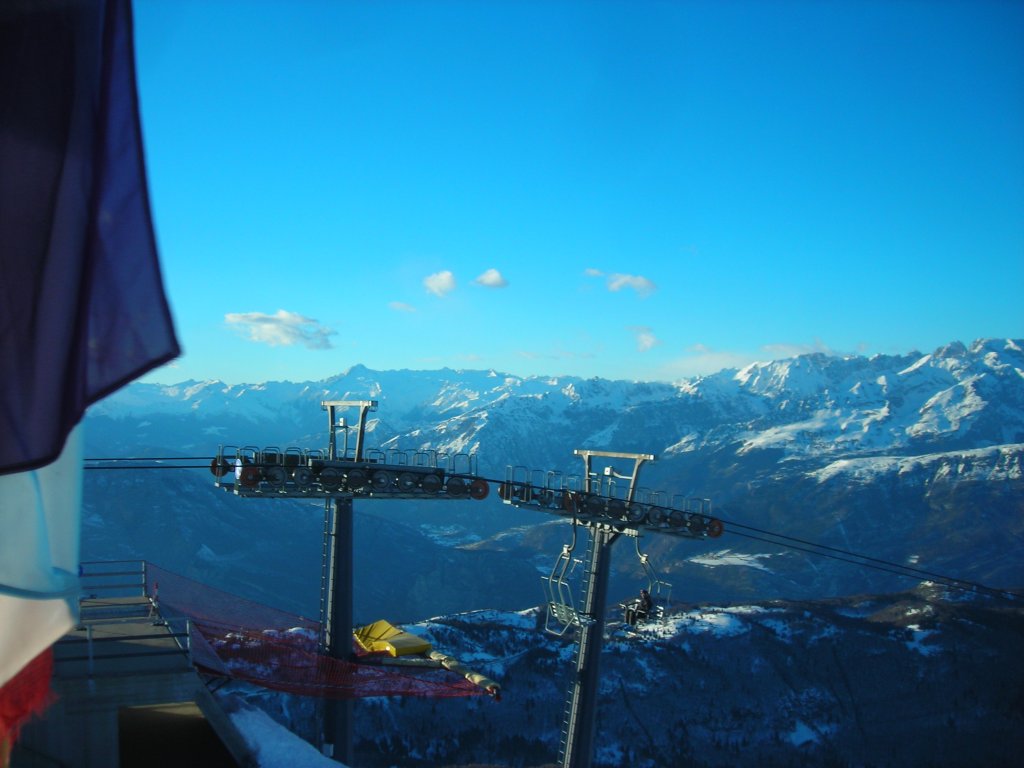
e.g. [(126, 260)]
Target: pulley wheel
[(250, 476), (330, 477), (275, 476), (657, 515), (676, 519), (617, 509), (356, 480), (635, 513), (302, 476), (381, 480), (479, 489), (456, 487)]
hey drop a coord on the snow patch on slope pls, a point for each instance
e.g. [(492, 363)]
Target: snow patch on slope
[(1002, 462), (729, 557)]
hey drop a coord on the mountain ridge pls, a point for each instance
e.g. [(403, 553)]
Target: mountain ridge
[(852, 403), (911, 458)]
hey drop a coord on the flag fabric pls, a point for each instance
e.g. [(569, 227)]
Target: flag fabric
[(28, 692), (82, 305), (39, 556)]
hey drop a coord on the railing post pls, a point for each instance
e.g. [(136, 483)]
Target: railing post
[(88, 637)]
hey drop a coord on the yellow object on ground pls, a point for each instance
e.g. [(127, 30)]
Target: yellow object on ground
[(384, 636), (454, 665)]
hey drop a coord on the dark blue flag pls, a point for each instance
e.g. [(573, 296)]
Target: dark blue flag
[(82, 304)]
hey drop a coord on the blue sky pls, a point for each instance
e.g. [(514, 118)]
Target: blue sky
[(628, 190)]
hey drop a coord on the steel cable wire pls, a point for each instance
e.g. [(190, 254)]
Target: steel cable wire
[(778, 539)]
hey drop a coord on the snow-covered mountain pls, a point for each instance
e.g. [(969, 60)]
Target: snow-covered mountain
[(808, 406), (921, 677), (910, 458)]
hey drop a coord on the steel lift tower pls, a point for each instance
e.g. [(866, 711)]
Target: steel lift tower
[(337, 582), (581, 703), (607, 505), (339, 475)]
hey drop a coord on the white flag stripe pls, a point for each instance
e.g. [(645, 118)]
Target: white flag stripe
[(39, 517)]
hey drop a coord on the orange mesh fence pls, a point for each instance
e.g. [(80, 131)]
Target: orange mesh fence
[(244, 640)]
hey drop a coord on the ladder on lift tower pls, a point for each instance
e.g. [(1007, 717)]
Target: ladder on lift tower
[(571, 711), (607, 506)]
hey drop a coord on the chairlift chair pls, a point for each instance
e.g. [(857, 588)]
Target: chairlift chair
[(660, 592), (562, 614)]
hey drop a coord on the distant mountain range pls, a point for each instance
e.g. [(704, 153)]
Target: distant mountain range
[(814, 406), (908, 458)]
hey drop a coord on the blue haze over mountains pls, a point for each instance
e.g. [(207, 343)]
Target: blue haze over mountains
[(910, 458)]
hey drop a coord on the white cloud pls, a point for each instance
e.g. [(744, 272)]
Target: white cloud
[(440, 283), (400, 306), (640, 284), (492, 278), (617, 281), (282, 329), (645, 338)]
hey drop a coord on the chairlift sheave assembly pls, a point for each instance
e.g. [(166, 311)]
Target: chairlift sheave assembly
[(347, 470)]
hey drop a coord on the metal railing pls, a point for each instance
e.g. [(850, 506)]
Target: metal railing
[(115, 592), (112, 578)]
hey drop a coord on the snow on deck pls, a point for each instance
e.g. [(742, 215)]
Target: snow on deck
[(274, 745)]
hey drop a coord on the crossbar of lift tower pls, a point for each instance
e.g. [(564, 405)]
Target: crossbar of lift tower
[(605, 525), (252, 481)]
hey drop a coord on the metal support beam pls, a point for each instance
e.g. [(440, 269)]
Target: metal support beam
[(338, 724), (364, 406), (595, 487), (337, 577), (581, 707)]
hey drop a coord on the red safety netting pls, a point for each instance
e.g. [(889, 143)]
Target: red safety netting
[(237, 638)]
